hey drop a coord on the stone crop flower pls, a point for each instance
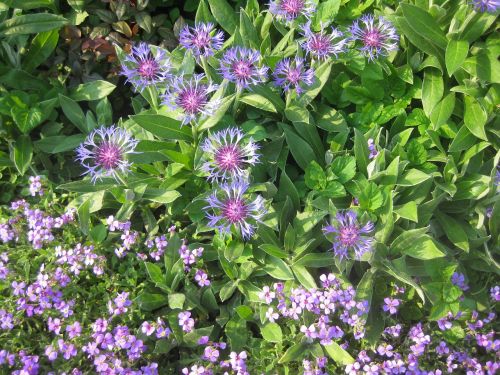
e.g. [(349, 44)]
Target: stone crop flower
[(228, 154), (323, 44), (293, 75), (146, 66), (243, 67), (233, 208), (350, 235), (104, 153), (202, 39), (289, 10), (377, 36), (192, 97)]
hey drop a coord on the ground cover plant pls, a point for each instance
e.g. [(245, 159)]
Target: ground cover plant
[(249, 188)]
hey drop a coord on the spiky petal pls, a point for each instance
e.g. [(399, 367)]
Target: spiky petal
[(228, 154), (322, 44), (243, 67), (146, 66), (202, 39), (192, 97), (377, 36), (104, 153), (232, 207), (350, 235), (490, 6), (289, 10), (293, 75)]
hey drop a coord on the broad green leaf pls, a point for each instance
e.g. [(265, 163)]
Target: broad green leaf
[(176, 300), (424, 25), (294, 353), (296, 113), (484, 66), (339, 355), (453, 230), (224, 15), (73, 112), (325, 13), (248, 32), (443, 110), (370, 196), (413, 177), (213, 120), (203, 13), (425, 248), (301, 151), (273, 250), (258, 101), (31, 23), (475, 117), (94, 90), (161, 196), (29, 4), (432, 90), (163, 127), (316, 260), (344, 167), (361, 151), (271, 332), (456, 53), (154, 273), (40, 49), (151, 301), (315, 177), (416, 152), (320, 77), (405, 239), (21, 154), (408, 211), (304, 277), (244, 312), (277, 268)]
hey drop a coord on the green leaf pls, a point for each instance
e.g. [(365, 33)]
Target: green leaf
[(244, 312), (217, 116), (94, 90), (456, 53), (344, 167), (160, 195), (203, 13), (271, 332), (304, 277), (31, 23), (300, 149), (85, 187), (432, 90), (273, 250), (416, 152), (475, 117), (413, 177), (325, 13), (405, 239), (424, 25), (258, 101), (27, 119), (294, 353), (295, 113), (154, 272), (29, 4), (408, 211), (339, 355), (424, 249), (224, 14), (176, 300), (315, 177), (40, 49), (320, 77), (316, 260), (247, 30), (73, 112), (277, 268), (22, 153), (443, 110), (453, 230), (163, 127), (151, 301), (370, 196), (361, 151)]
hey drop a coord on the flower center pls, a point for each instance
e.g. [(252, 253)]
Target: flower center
[(191, 100), (349, 235), (293, 75), (372, 38), (319, 43), (242, 69), (201, 40), (292, 7), (148, 69), (234, 210), (108, 155), (228, 157)]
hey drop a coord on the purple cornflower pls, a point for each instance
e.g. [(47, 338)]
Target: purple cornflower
[(292, 74), (458, 279), (372, 148), (391, 305), (202, 39), (191, 97), (289, 10), (322, 45), (227, 154), (35, 186), (490, 6), (104, 152), (235, 209), (377, 36), (243, 67), (146, 66), (349, 235), (185, 321), (201, 278)]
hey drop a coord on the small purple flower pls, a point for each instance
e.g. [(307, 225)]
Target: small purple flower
[(458, 279), (372, 148), (191, 97), (289, 10), (146, 66), (74, 330), (202, 39), (322, 44), (271, 315), (235, 209), (211, 354), (350, 235), (201, 278), (495, 293), (147, 328), (227, 154), (267, 295), (292, 74), (377, 36), (391, 305), (104, 152), (490, 6), (35, 186), (243, 67), (51, 353), (185, 321)]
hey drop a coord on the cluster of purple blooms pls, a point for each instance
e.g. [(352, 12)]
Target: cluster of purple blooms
[(36, 186), (191, 257)]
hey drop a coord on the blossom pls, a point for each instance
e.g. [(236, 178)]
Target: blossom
[(289, 10), (191, 97), (35, 186), (490, 6), (458, 279), (232, 207), (201, 278), (322, 44), (391, 305), (185, 321), (243, 67), (227, 154), (104, 152), (495, 293), (146, 66), (377, 36), (350, 235), (372, 149), (267, 295), (202, 39), (271, 315), (292, 74)]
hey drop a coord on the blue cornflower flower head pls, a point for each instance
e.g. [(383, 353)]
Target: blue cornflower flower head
[(232, 207), (290, 10), (293, 75), (104, 153), (490, 6), (228, 154), (202, 39), (322, 44), (377, 36), (146, 66), (350, 235), (192, 97), (497, 177), (243, 67)]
